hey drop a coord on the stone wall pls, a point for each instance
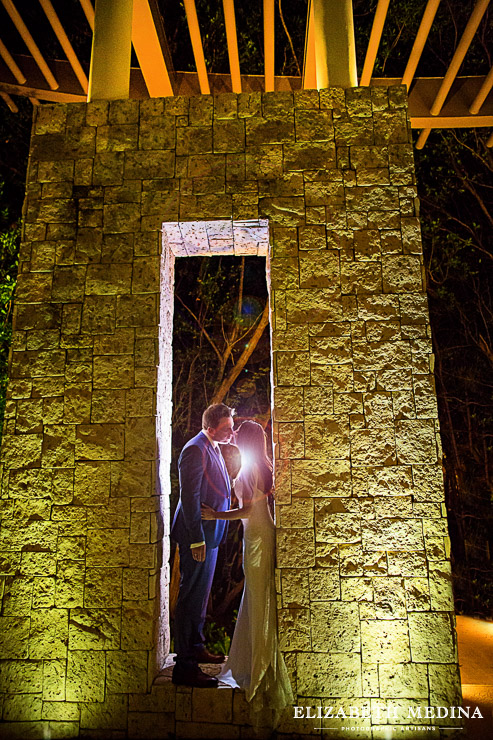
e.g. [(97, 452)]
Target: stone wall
[(365, 603)]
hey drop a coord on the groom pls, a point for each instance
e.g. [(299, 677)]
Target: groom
[(203, 479)]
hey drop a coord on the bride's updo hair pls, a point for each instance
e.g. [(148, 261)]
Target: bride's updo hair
[(251, 439)]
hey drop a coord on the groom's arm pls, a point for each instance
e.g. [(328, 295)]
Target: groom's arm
[(191, 470)]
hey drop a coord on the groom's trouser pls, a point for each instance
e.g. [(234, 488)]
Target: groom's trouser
[(191, 606)]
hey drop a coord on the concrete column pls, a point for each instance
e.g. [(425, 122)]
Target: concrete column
[(109, 76), (335, 50)]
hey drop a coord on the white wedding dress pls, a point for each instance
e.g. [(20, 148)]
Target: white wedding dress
[(255, 662)]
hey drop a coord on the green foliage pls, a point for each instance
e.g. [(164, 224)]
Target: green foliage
[(9, 249), (216, 638), (454, 178)]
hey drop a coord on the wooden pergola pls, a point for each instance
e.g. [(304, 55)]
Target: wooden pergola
[(450, 101)]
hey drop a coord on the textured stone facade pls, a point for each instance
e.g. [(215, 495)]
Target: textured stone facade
[(365, 602)]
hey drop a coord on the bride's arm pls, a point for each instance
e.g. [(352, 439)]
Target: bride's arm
[(208, 513), (248, 481)]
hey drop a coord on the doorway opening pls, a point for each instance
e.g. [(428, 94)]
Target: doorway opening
[(218, 309)]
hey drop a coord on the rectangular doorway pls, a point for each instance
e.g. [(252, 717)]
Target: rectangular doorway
[(223, 239)]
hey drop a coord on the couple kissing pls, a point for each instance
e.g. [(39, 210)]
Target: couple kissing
[(255, 663)]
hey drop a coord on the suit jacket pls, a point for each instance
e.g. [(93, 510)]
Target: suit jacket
[(203, 478)]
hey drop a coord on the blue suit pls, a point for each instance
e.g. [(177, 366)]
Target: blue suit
[(203, 479)]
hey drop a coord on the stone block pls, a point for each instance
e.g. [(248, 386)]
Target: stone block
[(390, 598), (216, 705), (326, 437), (317, 478), (137, 625), (98, 315), (312, 125), (294, 338), (361, 277), (85, 676), (126, 671), (444, 685), (288, 404), (415, 441), (136, 310), (108, 406), (131, 478), (330, 350), (102, 587), (406, 681), (304, 155), (94, 629), (113, 371), (319, 269), (99, 442), (294, 629), (325, 583), (71, 548), (293, 368), (140, 438), (336, 675), (284, 211), (431, 637), (69, 588), (295, 548), (291, 440), (357, 589), (335, 628), (393, 534), (135, 584), (21, 708), (285, 274), (14, 635), (121, 217), (294, 587), (385, 641), (108, 547), (428, 483), (48, 634), (298, 514), (112, 279), (373, 447), (108, 168), (92, 482), (335, 527), (402, 274)]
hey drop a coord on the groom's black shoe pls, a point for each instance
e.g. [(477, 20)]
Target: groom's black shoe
[(202, 655), (193, 677)]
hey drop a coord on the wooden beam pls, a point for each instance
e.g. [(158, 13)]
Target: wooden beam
[(65, 43), (88, 12), (9, 102), (147, 38), (423, 138), (269, 45), (109, 76), (232, 42), (335, 51), (460, 53), (489, 142), (198, 50), (420, 41), (30, 43), (482, 94), (309, 58), (36, 94), (11, 63), (374, 42)]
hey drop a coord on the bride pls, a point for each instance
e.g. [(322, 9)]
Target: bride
[(255, 662)]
